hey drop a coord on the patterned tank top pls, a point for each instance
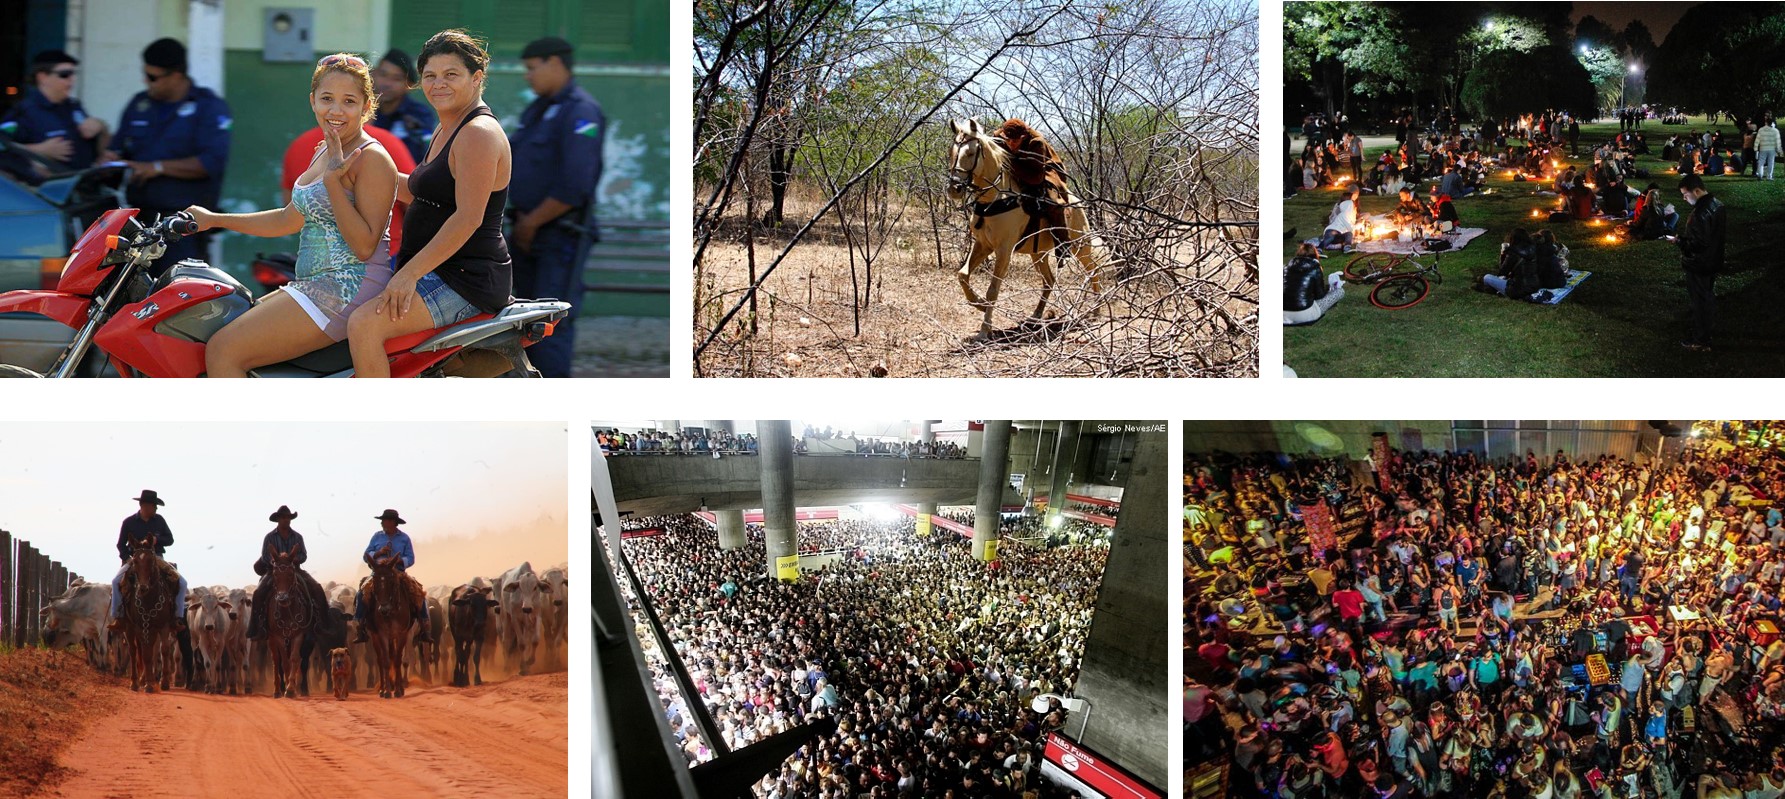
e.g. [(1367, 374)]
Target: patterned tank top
[(327, 268)]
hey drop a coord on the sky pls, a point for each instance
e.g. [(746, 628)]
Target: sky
[(1659, 17), (479, 498)]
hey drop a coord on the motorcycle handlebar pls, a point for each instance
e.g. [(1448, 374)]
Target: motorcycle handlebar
[(180, 225)]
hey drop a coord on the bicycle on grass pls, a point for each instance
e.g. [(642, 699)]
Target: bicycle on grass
[(1402, 280)]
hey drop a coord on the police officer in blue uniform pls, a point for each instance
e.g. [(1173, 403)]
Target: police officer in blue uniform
[(557, 165), (175, 137), (405, 117), (51, 123)]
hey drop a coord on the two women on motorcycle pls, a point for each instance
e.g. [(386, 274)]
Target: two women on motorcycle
[(455, 263)]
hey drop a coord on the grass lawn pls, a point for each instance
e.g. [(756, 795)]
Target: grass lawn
[(1624, 321)]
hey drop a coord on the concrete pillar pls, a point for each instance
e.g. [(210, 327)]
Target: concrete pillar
[(779, 529), (926, 511), (731, 529), (994, 466), (1065, 446), (669, 425), (1124, 674)]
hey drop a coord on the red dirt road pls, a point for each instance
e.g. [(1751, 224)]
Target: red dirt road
[(509, 737)]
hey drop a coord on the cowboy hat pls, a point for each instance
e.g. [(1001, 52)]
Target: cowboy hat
[(390, 515), (284, 512), (149, 496)]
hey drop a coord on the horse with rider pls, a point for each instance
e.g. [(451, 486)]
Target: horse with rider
[(995, 174), (148, 594), (390, 604), (288, 604)]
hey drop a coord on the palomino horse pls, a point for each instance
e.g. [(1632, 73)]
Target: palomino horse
[(979, 175), (288, 623), (149, 618), (392, 617)]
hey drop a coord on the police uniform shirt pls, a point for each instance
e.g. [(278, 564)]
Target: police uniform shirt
[(557, 150), (35, 119), (155, 131), (413, 122)]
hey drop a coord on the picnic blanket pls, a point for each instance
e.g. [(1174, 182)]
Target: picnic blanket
[(1556, 296), (1458, 240)]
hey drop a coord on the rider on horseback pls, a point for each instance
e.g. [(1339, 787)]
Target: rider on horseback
[(390, 545), (145, 523), (1040, 174), (281, 541)]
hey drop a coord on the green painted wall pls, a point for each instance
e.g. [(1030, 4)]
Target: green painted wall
[(623, 61)]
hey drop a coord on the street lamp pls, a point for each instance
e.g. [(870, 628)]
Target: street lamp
[(1624, 88)]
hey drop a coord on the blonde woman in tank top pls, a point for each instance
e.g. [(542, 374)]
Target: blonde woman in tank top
[(340, 209)]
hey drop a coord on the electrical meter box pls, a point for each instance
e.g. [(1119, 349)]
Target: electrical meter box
[(289, 35)]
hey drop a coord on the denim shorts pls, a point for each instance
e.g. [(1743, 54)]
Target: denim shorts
[(445, 306)]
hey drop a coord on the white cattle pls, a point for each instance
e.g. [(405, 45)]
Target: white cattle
[(78, 617), (554, 628), (208, 619), (235, 643), (524, 599)]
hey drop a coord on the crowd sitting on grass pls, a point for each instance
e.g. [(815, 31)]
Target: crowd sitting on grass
[(927, 660), (1553, 627)]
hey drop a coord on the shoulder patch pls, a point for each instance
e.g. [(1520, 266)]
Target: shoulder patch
[(586, 128), (9, 126), (223, 122)]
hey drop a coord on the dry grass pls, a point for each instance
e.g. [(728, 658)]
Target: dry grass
[(918, 323)]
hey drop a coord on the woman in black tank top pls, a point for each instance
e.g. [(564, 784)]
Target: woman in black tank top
[(454, 262)]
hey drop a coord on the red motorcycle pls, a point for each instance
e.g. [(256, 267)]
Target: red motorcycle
[(157, 327)]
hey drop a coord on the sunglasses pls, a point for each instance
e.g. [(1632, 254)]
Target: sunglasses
[(64, 74), (150, 77), (342, 58)]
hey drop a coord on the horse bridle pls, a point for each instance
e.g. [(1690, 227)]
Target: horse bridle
[(960, 179)]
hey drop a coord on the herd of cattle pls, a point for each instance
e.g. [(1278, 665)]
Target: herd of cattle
[(512, 617)]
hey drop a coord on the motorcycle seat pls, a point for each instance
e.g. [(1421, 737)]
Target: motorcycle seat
[(328, 360), (338, 358), (402, 343)]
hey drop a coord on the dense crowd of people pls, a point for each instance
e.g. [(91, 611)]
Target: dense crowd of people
[(871, 445), (1540, 627), (618, 442), (700, 442), (927, 660)]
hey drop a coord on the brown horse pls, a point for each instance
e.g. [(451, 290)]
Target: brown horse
[(391, 613), (288, 621), (148, 617)]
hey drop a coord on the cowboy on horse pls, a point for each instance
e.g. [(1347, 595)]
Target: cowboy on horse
[(282, 541), (391, 546), (146, 523), (997, 172), (1038, 172)]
